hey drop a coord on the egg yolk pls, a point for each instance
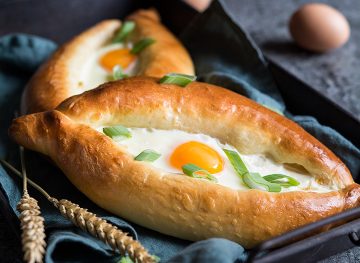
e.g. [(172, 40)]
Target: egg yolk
[(121, 57), (199, 154)]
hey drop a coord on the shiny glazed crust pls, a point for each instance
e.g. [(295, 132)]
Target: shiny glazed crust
[(56, 78), (174, 204)]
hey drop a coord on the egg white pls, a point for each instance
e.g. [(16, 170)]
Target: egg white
[(92, 74), (165, 142)]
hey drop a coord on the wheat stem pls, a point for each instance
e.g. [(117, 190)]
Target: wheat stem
[(32, 183), (23, 169), (98, 227)]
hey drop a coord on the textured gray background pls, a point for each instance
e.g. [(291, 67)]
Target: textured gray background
[(336, 74)]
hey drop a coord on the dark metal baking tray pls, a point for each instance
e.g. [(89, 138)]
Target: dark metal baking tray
[(300, 245)]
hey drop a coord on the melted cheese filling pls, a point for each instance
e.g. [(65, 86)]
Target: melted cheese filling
[(165, 141), (93, 74)]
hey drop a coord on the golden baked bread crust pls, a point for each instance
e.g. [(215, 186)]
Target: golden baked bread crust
[(56, 78), (178, 205), (168, 55)]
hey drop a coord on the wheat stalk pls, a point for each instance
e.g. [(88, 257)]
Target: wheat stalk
[(98, 227), (33, 232), (31, 221), (106, 232)]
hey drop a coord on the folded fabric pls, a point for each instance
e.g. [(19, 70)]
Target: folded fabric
[(229, 59)]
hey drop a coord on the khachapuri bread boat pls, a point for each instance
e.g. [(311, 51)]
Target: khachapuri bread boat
[(108, 51), (190, 159)]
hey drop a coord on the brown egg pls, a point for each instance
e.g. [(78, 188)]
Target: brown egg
[(319, 27)]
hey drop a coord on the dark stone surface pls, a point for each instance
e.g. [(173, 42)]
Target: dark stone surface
[(335, 74)]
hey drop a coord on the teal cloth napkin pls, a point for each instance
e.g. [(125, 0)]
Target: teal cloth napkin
[(230, 60)]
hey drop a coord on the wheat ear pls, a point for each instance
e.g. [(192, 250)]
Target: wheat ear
[(98, 227), (31, 221), (106, 232), (32, 227)]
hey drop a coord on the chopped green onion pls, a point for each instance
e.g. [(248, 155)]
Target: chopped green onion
[(252, 180), (148, 156), (278, 179), (177, 79), (256, 181), (117, 131), (124, 31), (117, 73), (195, 171), (273, 109), (156, 258), (140, 45), (236, 162), (126, 260)]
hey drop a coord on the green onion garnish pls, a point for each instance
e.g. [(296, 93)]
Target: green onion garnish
[(126, 260), (256, 181), (252, 180), (195, 171), (148, 156), (236, 162), (273, 109), (117, 131), (140, 45), (117, 73), (124, 31), (279, 179), (177, 79)]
